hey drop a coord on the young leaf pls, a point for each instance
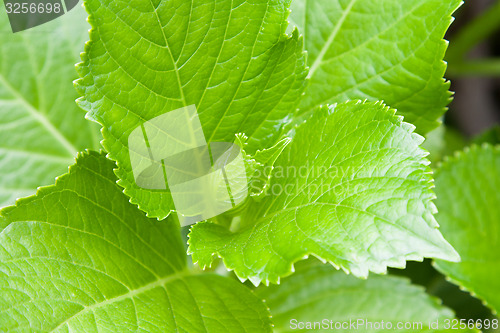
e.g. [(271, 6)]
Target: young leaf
[(79, 257), (231, 60), (319, 293), (353, 188), (468, 201), (260, 165), (389, 50), (41, 127)]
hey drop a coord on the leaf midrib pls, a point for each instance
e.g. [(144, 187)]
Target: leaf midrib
[(250, 60), (154, 284), (331, 38), (379, 74), (174, 62)]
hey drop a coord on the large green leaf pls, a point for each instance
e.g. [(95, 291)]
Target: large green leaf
[(231, 59), (259, 166), (353, 188), (389, 50), (467, 186), (41, 127), (78, 257), (319, 293)]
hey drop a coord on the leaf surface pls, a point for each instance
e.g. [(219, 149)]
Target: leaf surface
[(317, 292), (231, 59), (41, 127), (387, 50), (79, 257), (352, 188), (469, 214)]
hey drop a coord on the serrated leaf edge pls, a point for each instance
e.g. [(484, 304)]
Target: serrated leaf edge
[(428, 181), (283, 37), (43, 189)]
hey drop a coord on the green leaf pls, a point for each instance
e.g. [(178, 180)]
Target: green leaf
[(41, 127), (389, 50), (319, 293), (352, 188), (79, 257), (232, 60), (469, 214)]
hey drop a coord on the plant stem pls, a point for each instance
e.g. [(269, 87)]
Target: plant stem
[(473, 33), (482, 68)]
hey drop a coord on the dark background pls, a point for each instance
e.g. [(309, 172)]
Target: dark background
[(476, 104)]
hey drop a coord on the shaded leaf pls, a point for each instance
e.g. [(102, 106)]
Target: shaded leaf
[(469, 214), (41, 127), (319, 293)]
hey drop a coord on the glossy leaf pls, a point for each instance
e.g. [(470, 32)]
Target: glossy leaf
[(388, 50), (352, 188), (230, 59)]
